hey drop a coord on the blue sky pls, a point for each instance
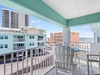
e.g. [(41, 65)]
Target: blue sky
[(85, 31)]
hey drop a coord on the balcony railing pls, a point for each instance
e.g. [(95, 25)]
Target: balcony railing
[(18, 48), (27, 61), (34, 61), (40, 39), (19, 40), (83, 46)]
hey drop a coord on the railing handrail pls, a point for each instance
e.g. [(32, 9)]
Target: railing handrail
[(21, 50)]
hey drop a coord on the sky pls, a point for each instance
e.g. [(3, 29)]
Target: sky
[(84, 31)]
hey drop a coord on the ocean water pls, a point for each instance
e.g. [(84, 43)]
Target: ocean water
[(86, 40)]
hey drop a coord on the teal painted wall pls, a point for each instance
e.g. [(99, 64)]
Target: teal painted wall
[(8, 41), (27, 41)]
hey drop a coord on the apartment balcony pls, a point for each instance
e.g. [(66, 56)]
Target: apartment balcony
[(40, 63), (40, 39), (19, 48), (19, 40)]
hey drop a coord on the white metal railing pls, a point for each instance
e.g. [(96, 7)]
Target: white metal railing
[(19, 40), (84, 46), (34, 61)]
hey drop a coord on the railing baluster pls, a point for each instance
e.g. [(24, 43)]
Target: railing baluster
[(4, 64), (27, 61), (17, 63), (45, 59), (22, 63), (11, 63), (31, 57), (38, 60), (43, 62), (35, 60)]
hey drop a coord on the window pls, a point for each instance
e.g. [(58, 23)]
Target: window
[(1, 37), (6, 37), (31, 44), (1, 45), (31, 37), (40, 37), (6, 46)]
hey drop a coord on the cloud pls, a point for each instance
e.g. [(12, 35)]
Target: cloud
[(33, 22), (85, 27)]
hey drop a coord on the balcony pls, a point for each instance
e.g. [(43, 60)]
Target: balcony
[(64, 13), (18, 47), (19, 40), (34, 62)]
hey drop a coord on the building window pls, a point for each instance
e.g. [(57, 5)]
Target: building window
[(6, 37), (1, 45), (31, 37), (6, 46), (40, 44), (40, 38), (1, 37), (32, 44)]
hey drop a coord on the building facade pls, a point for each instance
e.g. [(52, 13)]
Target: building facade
[(58, 37), (23, 38), (13, 19)]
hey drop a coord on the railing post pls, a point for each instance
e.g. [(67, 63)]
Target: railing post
[(27, 61), (4, 64), (31, 66), (88, 64)]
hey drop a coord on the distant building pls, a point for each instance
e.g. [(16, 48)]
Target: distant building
[(24, 38), (58, 37), (13, 19), (48, 40)]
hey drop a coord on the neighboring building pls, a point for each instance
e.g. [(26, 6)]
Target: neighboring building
[(13, 19), (48, 40), (58, 37), (24, 38), (96, 29)]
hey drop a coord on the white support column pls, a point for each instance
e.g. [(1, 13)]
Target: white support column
[(66, 36)]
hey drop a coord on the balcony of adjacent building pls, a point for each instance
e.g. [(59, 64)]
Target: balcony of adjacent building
[(40, 38), (18, 38), (18, 46)]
